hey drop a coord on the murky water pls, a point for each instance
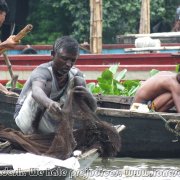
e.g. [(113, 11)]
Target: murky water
[(131, 168)]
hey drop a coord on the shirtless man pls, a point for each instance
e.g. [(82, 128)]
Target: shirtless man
[(162, 90)]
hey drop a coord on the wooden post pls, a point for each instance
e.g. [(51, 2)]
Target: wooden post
[(96, 26), (91, 23), (145, 17)]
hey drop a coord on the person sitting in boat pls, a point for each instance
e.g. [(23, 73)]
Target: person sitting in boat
[(161, 92), (7, 44), (28, 50), (45, 91)]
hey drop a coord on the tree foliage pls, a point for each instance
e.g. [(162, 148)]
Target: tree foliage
[(53, 18)]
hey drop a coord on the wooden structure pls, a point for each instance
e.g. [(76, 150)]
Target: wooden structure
[(96, 26), (166, 37), (137, 65), (145, 17)]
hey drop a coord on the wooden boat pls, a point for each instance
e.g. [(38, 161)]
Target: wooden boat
[(101, 59), (91, 72), (93, 64), (49, 168), (85, 48), (41, 166), (146, 134)]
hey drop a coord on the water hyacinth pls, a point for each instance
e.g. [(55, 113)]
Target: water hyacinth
[(112, 82)]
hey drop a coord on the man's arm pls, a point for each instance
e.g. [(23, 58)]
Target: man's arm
[(176, 98), (39, 93)]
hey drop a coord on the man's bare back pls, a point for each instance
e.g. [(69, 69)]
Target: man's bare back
[(163, 89)]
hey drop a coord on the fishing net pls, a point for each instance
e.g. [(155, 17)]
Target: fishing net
[(79, 112)]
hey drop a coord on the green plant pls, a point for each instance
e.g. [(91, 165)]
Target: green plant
[(153, 72), (18, 85), (112, 83), (177, 68), (71, 17)]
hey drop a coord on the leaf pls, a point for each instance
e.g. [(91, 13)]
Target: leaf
[(120, 87), (18, 85), (133, 90), (121, 75), (97, 90), (153, 72), (105, 87), (178, 68), (114, 68), (91, 86), (8, 85), (107, 74)]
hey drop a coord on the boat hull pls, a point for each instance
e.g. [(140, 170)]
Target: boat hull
[(145, 135), (91, 72)]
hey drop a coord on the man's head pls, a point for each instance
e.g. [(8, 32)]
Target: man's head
[(3, 11), (65, 53)]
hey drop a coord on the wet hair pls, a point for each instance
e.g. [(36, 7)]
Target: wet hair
[(66, 43), (178, 77), (4, 6)]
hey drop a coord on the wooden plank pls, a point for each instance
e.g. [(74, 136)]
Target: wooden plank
[(152, 48), (100, 59), (115, 99), (133, 114)]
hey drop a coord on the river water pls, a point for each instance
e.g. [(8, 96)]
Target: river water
[(137, 169)]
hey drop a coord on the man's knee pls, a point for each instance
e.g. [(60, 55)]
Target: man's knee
[(26, 115), (23, 125)]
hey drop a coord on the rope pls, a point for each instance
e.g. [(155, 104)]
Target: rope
[(176, 129)]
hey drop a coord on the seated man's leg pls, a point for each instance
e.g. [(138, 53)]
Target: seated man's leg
[(26, 115), (163, 102)]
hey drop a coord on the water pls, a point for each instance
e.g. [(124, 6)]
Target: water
[(137, 169)]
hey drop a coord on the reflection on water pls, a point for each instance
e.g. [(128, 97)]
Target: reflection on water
[(131, 168)]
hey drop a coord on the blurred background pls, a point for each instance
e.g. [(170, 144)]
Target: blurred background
[(53, 18)]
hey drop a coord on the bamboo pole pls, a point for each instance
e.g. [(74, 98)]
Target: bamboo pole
[(91, 24), (20, 35), (96, 26), (17, 37), (99, 27), (145, 17)]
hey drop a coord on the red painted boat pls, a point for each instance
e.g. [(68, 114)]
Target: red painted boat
[(101, 59), (138, 65), (91, 72)]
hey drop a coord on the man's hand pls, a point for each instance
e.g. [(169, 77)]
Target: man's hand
[(54, 108), (10, 42)]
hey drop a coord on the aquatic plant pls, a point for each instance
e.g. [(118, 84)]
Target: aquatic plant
[(112, 82)]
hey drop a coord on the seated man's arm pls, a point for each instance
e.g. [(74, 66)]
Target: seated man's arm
[(39, 93), (176, 98)]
